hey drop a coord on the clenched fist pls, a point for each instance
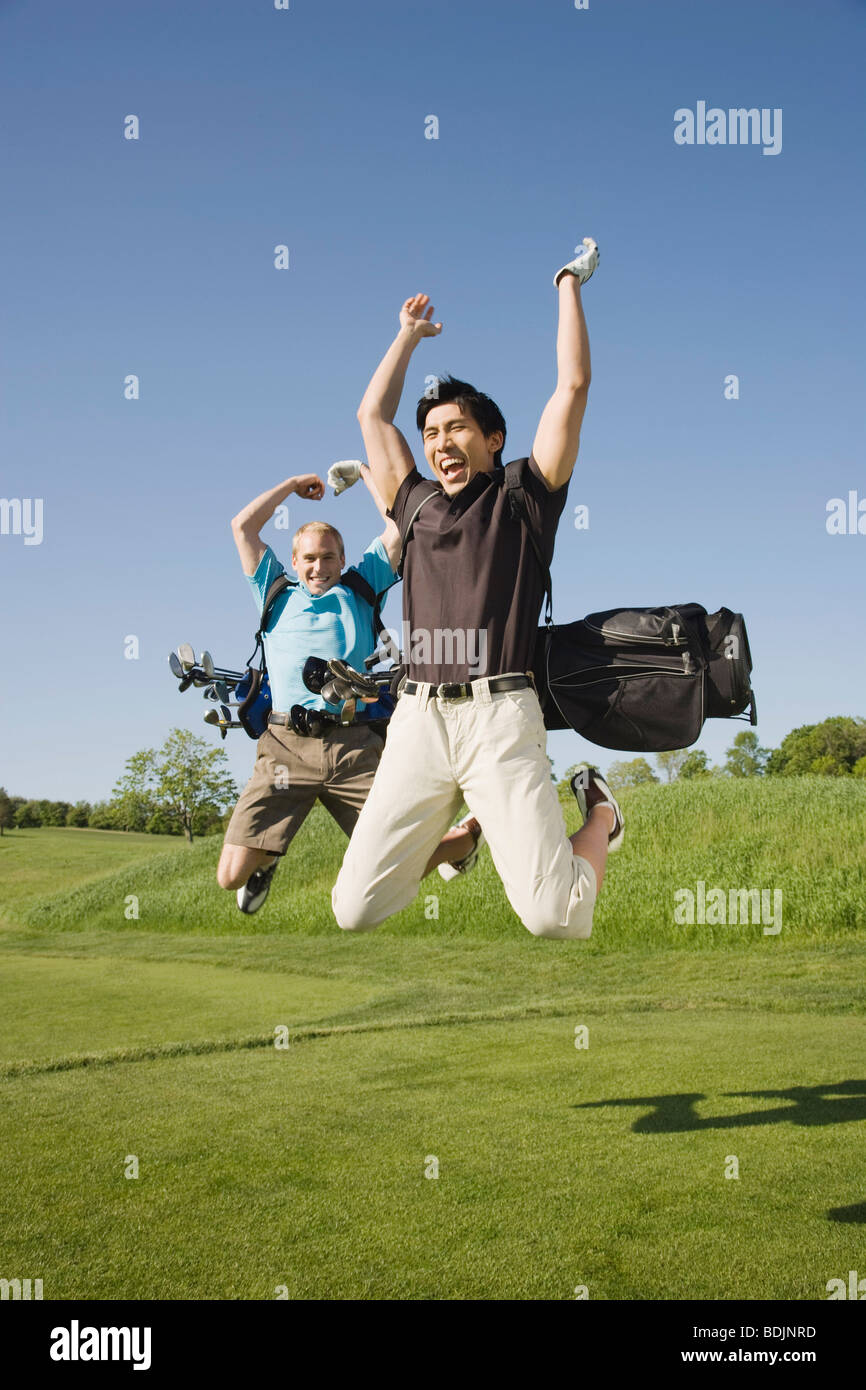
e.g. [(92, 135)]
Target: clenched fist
[(309, 485)]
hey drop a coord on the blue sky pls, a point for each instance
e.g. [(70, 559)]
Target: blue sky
[(306, 127)]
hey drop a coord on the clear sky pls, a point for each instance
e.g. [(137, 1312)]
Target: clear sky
[(306, 127)]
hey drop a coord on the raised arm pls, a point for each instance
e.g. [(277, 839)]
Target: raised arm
[(389, 455), (249, 522), (558, 436), (390, 537)]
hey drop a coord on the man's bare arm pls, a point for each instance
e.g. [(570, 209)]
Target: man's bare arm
[(558, 436), (249, 522), (388, 453), (390, 537)]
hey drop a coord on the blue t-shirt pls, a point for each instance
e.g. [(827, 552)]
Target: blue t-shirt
[(336, 624)]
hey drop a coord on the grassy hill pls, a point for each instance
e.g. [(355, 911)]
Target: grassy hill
[(803, 836), (438, 1049)]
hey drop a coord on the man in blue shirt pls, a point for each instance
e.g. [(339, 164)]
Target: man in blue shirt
[(321, 617)]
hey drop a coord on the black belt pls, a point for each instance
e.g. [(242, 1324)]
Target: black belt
[(329, 720), (331, 723), (464, 692)]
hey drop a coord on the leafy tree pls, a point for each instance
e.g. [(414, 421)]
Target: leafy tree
[(161, 823), (671, 763), (630, 774), (830, 749), (208, 820), (746, 757), (79, 814), (697, 764), (7, 810), (54, 812), (174, 786), (191, 773), (133, 800), (103, 817), (27, 816), (859, 768)]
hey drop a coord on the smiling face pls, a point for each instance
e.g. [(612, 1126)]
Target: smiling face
[(456, 448), (318, 560)]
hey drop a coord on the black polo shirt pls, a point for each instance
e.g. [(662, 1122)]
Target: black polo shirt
[(472, 584)]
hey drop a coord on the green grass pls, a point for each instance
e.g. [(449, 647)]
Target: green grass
[(804, 836), (304, 1167), (33, 862)]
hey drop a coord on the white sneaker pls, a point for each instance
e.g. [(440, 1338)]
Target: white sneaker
[(590, 789), (584, 263), (450, 870)]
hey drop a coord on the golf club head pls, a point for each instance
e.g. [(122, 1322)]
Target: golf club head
[(186, 656), (205, 661), (176, 668), (210, 693), (315, 674), (352, 682), (221, 691), (212, 716)]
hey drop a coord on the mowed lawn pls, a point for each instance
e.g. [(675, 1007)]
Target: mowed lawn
[(311, 1169)]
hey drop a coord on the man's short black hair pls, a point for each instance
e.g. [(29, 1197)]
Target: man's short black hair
[(485, 412)]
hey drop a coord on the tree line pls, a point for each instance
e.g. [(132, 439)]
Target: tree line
[(834, 748), (184, 788)]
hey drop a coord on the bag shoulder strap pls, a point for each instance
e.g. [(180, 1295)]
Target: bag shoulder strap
[(277, 586), (434, 491), (517, 500), (355, 581)]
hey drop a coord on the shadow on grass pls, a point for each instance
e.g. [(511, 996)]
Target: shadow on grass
[(832, 1104), (856, 1214)]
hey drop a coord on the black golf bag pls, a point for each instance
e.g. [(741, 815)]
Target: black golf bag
[(638, 679), (644, 679)]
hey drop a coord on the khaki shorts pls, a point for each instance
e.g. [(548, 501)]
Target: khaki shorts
[(292, 772)]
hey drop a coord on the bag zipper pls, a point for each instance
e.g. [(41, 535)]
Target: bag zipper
[(675, 641)]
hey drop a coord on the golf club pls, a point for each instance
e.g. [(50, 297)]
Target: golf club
[(178, 672)]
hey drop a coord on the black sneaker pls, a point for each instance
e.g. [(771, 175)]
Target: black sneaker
[(256, 888)]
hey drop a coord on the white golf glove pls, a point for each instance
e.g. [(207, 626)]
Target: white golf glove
[(585, 262), (343, 474)]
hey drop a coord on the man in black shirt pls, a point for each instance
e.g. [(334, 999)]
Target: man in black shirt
[(468, 724)]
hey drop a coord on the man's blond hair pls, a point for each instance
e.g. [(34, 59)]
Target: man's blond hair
[(321, 528)]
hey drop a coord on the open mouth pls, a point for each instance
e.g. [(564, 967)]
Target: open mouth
[(451, 466)]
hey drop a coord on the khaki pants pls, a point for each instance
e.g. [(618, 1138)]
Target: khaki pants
[(291, 772), (491, 752)]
